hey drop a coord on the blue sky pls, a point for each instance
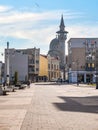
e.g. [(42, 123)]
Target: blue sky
[(33, 23)]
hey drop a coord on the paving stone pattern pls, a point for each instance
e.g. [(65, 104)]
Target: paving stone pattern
[(50, 107), (62, 108)]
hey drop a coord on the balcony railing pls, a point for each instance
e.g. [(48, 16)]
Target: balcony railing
[(90, 68), (31, 63)]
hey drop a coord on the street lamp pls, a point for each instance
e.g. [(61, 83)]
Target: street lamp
[(7, 76), (77, 64), (96, 68)]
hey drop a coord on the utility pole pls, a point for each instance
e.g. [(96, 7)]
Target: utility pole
[(7, 76)]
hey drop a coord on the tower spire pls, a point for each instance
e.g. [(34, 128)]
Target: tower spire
[(62, 22), (62, 27)]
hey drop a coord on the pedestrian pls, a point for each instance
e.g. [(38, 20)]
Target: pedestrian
[(28, 83), (4, 83), (61, 80)]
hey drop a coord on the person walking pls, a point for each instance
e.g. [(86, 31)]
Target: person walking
[(28, 83)]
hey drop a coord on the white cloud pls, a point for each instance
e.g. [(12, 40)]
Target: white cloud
[(14, 16), (4, 8), (82, 31), (26, 25), (39, 28)]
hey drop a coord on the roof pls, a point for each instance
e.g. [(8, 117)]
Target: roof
[(43, 55), (79, 42)]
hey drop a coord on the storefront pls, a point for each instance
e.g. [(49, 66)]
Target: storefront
[(81, 76)]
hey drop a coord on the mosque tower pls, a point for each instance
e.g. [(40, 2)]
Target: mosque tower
[(57, 45)]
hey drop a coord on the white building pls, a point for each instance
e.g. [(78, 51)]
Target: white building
[(33, 62), (23, 61), (18, 62)]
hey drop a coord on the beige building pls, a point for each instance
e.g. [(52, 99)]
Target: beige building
[(53, 68), (81, 59)]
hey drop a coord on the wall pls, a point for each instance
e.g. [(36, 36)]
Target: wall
[(43, 66)]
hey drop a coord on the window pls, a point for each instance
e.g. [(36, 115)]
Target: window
[(37, 69), (93, 65), (37, 61), (52, 66), (48, 66), (55, 67)]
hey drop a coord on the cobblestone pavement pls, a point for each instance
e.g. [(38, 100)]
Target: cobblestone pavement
[(50, 107)]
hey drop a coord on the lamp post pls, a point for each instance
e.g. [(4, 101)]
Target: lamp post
[(90, 58), (77, 69), (7, 76), (97, 80), (77, 62), (96, 68), (64, 73)]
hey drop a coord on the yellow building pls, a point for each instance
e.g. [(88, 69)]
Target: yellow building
[(43, 68)]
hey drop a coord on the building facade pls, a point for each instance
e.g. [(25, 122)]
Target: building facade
[(81, 59), (18, 62), (33, 62), (53, 68), (23, 61), (57, 45), (43, 68)]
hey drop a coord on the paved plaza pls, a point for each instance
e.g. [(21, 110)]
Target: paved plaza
[(50, 107)]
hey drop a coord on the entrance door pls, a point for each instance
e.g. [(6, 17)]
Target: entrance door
[(89, 78), (81, 78)]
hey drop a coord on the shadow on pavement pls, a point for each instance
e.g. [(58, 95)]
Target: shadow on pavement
[(78, 104)]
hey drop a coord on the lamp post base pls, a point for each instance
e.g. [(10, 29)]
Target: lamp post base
[(77, 83), (96, 85)]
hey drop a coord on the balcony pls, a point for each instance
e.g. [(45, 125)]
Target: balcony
[(90, 61), (90, 69), (31, 63), (31, 72)]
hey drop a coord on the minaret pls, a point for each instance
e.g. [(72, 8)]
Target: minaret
[(57, 46), (62, 36), (62, 26)]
